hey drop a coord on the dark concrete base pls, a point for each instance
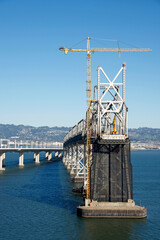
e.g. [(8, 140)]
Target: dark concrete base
[(109, 210), (77, 179), (111, 171)]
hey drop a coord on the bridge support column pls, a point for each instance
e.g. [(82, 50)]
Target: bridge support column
[(2, 161), (78, 163), (21, 159), (111, 182), (69, 158), (46, 155), (65, 156), (60, 155), (37, 157), (73, 161), (111, 172), (56, 154), (49, 156)]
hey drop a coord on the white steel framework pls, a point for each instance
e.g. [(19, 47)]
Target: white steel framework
[(109, 113), (109, 118)]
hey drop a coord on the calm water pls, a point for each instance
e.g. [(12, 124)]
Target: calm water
[(36, 202)]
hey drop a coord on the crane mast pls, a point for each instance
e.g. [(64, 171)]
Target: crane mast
[(89, 51), (88, 118)]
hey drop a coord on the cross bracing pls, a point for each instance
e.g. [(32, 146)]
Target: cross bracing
[(109, 113), (108, 120)]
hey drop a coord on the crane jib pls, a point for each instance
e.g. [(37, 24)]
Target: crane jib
[(66, 50)]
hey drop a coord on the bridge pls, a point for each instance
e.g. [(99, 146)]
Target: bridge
[(22, 148), (110, 176)]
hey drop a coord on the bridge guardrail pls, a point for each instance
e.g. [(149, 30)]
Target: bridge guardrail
[(79, 129)]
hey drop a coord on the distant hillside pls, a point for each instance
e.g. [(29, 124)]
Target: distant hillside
[(45, 133), (48, 134), (145, 134)]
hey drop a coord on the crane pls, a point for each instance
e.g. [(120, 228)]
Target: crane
[(114, 126), (89, 50)]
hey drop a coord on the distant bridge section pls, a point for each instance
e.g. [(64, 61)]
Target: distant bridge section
[(58, 151)]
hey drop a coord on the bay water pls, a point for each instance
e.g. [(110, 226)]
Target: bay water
[(36, 202)]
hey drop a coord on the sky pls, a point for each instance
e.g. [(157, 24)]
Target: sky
[(41, 86)]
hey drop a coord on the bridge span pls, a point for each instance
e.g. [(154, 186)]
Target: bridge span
[(58, 150), (111, 190)]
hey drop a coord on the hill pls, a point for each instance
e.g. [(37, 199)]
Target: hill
[(49, 134), (145, 134), (46, 134)]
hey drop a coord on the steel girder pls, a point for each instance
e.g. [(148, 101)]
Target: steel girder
[(74, 158)]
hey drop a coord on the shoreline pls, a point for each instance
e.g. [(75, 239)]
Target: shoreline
[(151, 149)]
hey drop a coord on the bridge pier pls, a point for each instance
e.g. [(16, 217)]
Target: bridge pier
[(111, 183), (46, 155), (65, 157), (60, 155), (111, 178), (21, 159), (79, 162), (37, 157), (49, 156), (73, 161), (2, 161), (69, 160), (34, 156), (111, 171)]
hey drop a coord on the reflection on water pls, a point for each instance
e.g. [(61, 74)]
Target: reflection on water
[(111, 228)]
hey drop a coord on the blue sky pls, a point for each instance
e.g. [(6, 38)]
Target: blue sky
[(42, 86)]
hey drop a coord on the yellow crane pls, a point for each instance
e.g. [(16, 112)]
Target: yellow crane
[(114, 126), (89, 50)]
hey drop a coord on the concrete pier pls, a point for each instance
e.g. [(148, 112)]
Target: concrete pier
[(46, 155), (111, 171), (68, 166), (49, 156), (21, 159), (59, 155), (111, 183), (112, 210), (37, 157), (2, 161)]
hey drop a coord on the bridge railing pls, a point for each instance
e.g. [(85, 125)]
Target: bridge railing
[(79, 129), (8, 143)]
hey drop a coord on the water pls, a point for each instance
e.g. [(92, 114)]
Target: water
[(36, 202)]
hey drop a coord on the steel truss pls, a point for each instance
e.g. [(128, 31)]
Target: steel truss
[(74, 158), (109, 118)]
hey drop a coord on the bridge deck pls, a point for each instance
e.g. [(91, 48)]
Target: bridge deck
[(52, 149)]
